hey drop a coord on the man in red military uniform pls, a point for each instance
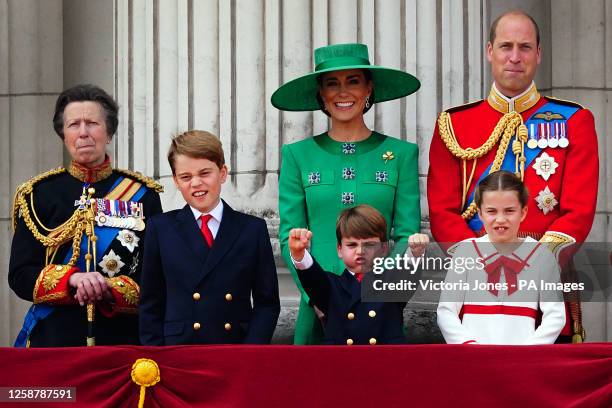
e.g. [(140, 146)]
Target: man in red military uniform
[(551, 144)]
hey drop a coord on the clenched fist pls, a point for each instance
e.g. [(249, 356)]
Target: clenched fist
[(418, 244), (299, 240)]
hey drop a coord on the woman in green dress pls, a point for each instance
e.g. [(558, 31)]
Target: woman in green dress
[(345, 166)]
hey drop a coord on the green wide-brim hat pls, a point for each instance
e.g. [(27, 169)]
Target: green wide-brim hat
[(300, 94)]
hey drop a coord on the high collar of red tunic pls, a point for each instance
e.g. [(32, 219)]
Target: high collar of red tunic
[(93, 174), (519, 103)]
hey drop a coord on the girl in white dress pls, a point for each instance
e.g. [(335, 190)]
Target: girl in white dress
[(499, 299)]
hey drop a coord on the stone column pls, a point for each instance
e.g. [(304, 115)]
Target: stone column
[(30, 80), (576, 66), (214, 65), (582, 72)]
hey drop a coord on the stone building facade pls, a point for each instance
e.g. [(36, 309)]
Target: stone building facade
[(213, 64)]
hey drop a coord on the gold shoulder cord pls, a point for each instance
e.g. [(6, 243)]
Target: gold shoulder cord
[(27, 188), (73, 228), (147, 181), (509, 124)]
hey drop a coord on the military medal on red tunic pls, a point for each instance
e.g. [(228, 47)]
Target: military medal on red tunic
[(563, 142), (532, 143), (543, 141), (554, 140)]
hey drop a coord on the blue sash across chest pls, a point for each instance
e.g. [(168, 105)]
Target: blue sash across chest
[(560, 113), (105, 236)]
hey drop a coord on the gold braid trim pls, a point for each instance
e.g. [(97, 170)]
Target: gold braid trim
[(556, 241), (126, 287), (147, 181), (27, 188), (51, 297), (51, 275), (579, 334), (72, 229), (504, 130)]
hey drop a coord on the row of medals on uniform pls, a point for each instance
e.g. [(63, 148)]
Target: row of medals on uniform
[(545, 135), (117, 213)]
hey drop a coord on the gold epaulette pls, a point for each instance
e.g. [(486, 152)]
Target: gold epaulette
[(565, 102), (71, 229), (147, 181), (26, 188), (463, 106), (557, 241)]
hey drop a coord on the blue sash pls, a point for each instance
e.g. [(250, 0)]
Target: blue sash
[(509, 161), (105, 235), (35, 314)]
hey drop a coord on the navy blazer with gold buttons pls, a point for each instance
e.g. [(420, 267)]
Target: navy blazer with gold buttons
[(191, 294), (349, 320)]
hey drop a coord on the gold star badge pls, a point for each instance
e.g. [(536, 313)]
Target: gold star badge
[(111, 263), (128, 239), (546, 200)]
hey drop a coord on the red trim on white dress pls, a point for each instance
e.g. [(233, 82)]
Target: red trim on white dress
[(500, 309)]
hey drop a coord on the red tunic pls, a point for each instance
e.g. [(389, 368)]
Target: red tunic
[(574, 183)]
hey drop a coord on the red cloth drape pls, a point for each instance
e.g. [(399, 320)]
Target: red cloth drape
[(322, 376)]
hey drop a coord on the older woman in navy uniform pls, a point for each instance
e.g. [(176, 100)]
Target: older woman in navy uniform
[(77, 249), (347, 165)]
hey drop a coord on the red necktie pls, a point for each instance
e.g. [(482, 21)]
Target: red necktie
[(512, 267), (359, 277), (208, 236)]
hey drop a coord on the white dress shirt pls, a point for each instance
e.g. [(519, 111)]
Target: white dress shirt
[(214, 222)]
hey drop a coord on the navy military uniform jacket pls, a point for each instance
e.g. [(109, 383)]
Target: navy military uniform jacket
[(348, 319), (195, 295), (52, 203)]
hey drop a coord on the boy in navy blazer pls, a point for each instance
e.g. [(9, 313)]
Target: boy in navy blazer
[(203, 263), (361, 236)]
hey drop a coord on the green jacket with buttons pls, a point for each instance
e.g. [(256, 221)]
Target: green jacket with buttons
[(320, 177)]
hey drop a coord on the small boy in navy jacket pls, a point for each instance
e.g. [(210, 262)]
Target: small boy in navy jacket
[(361, 236)]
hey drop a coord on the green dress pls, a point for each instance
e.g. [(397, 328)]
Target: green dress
[(320, 177)]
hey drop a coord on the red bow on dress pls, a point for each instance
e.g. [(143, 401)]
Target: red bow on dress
[(512, 267)]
